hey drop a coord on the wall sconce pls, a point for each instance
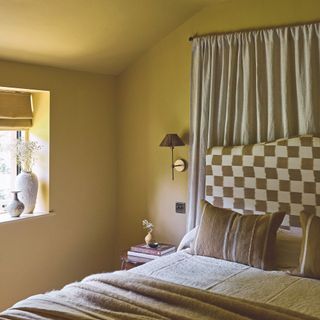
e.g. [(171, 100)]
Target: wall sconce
[(173, 140)]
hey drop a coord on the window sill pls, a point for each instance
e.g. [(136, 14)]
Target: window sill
[(6, 218)]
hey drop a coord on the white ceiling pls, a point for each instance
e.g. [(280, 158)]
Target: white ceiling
[(102, 36)]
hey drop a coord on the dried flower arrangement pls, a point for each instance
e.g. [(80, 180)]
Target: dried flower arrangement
[(147, 225), (26, 152)]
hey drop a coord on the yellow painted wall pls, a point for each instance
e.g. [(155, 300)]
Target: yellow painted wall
[(89, 138), (45, 253), (153, 99), (40, 132)]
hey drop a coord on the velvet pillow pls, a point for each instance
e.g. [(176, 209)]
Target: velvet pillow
[(247, 239), (309, 265), (288, 247)]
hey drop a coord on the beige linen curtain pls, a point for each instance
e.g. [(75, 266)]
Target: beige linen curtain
[(250, 87)]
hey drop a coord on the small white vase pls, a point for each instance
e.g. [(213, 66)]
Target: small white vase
[(15, 207), (27, 182)]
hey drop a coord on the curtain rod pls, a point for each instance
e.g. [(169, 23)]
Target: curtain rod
[(252, 29)]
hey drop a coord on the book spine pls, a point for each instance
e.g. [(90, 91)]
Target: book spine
[(153, 251), (146, 250), (172, 249), (134, 259), (142, 255)]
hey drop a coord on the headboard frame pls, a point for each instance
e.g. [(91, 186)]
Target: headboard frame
[(267, 177)]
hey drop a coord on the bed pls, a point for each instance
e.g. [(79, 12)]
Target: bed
[(164, 289), (188, 285)]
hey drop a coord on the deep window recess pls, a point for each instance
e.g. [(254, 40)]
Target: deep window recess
[(24, 115)]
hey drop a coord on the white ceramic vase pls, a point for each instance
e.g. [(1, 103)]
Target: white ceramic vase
[(15, 207), (27, 183)]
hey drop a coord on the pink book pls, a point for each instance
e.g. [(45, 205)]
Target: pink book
[(159, 251)]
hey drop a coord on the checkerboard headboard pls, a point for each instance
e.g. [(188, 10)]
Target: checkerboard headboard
[(267, 177)]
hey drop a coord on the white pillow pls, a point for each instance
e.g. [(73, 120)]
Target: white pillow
[(187, 239)]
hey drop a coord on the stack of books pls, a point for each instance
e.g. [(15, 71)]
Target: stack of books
[(143, 253)]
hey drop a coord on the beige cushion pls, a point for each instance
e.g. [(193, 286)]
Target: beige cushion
[(288, 247), (247, 239), (310, 250)]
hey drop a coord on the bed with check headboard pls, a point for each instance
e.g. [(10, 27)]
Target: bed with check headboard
[(251, 180)]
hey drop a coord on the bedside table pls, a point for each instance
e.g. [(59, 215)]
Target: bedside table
[(127, 263)]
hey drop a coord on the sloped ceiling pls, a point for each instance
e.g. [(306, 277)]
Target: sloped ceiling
[(102, 36)]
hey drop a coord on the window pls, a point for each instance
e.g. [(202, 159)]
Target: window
[(24, 114), (8, 165)]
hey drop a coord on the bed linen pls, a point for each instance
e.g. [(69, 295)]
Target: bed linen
[(275, 288), (129, 295)]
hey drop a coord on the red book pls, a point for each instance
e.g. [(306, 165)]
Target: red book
[(162, 249)]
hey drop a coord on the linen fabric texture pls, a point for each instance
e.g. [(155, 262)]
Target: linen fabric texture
[(288, 247), (15, 110), (250, 87), (310, 250), (124, 295), (246, 239)]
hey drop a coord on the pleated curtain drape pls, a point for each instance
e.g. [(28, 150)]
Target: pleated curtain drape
[(249, 87)]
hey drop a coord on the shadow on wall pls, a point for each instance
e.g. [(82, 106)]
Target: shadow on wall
[(185, 135)]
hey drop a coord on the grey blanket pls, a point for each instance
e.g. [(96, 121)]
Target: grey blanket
[(125, 295)]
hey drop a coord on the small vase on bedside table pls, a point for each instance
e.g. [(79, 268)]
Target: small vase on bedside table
[(149, 227), (148, 237)]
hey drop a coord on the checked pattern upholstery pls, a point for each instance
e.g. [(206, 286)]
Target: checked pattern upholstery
[(283, 175)]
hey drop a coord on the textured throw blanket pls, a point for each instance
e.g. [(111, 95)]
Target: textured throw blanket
[(125, 295)]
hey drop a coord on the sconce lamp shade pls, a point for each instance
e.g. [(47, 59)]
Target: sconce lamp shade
[(171, 140)]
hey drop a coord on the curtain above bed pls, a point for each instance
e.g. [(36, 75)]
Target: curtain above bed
[(250, 87)]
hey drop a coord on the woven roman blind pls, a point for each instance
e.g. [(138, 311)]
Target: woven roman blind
[(15, 110)]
